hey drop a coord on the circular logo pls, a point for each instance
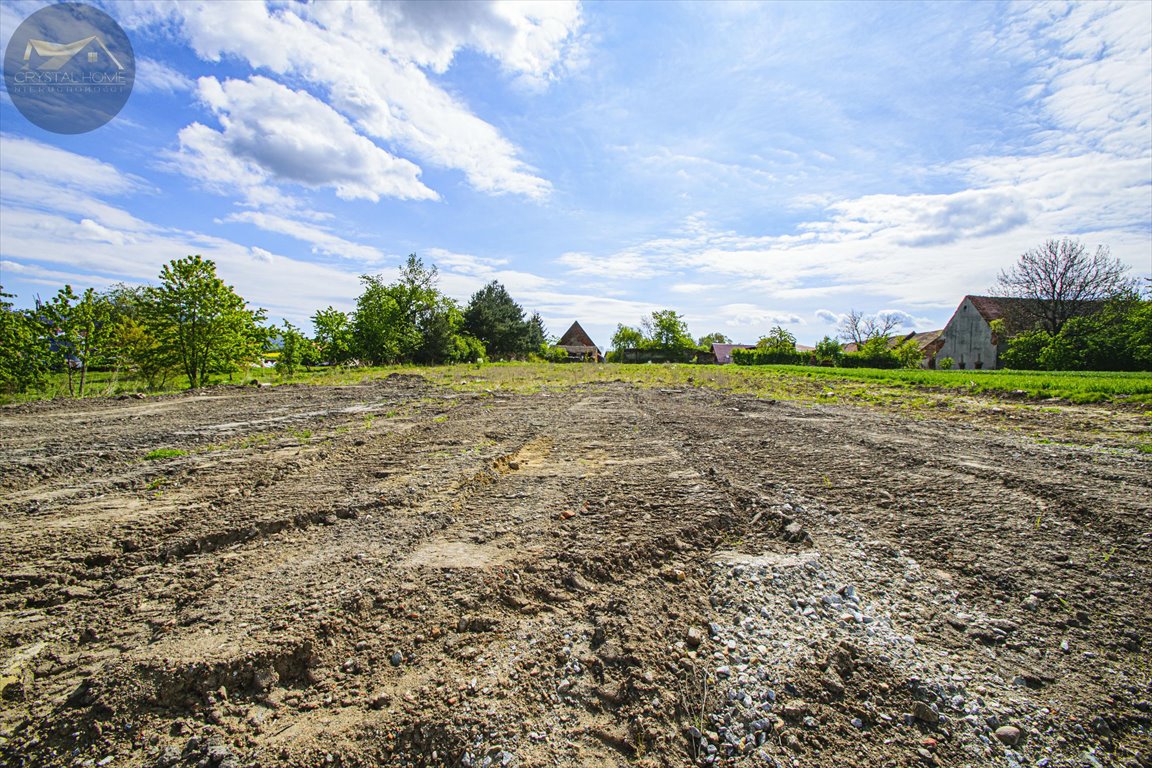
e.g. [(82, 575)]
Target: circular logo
[(69, 68)]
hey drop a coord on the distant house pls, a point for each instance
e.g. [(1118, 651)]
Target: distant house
[(969, 339), (723, 352), (579, 345)]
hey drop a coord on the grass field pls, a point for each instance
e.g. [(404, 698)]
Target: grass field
[(1075, 386), (867, 385)]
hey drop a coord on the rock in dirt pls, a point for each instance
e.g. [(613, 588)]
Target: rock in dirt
[(925, 713), (1008, 734)]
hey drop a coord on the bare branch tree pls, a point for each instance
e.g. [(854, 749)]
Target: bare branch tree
[(858, 327), (852, 327), (881, 325), (1061, 280)]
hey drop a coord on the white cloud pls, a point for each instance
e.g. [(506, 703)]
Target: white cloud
[(56, 233), (828, 316), (154, 76), (271, 133), (319, 238), (27, 158), (372, 60), (736, 315)]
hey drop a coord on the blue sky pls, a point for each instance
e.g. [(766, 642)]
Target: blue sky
[(747, 164)]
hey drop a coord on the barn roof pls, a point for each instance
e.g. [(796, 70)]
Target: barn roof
[(576, 337), (994, 307), (723, 352), (921, 339)]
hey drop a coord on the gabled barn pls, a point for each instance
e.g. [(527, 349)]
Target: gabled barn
[(579, 345), (969, 339)]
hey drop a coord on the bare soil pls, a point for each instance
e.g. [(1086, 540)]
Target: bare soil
[(395, 573)]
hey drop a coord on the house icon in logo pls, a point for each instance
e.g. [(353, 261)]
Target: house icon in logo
[(57, 55)]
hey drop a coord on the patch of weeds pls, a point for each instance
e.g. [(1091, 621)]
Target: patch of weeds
[(302, 434), (1144, 447), (164, 453), (441, 418)]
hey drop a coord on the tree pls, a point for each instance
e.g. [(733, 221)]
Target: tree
[(23, 349), (859, 328), (333, 335), (709, 339), (666, 329), (498, 321), (627, 337), (828, 351), (778, 340), (1060, 280), (537, 333), (199, 322), (410, 320), (292, 343), (80, 330), (133, 345), (1116, 337), (381, 333)]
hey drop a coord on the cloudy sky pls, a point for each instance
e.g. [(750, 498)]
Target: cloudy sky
[(747, 164)]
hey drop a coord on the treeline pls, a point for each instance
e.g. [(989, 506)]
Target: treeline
[(1117, 337), (193, 325), (665, 335), (876, 351)]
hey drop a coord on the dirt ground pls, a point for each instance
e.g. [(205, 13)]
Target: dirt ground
[(396, 573)]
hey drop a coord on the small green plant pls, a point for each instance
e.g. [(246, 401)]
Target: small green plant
[(164, 453), (945, 363), (302, 434)]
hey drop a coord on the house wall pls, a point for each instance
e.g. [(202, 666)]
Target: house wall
[(968, 339)]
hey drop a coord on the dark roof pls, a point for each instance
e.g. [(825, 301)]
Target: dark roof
[(921, 339), (994, 307), (723, 352), (576, 337)]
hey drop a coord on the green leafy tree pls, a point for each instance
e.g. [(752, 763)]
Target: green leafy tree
[(1116, 337), (908, 354), (667, 330), (498, 321), (292, 349), (1024, 350), (828, 351), (381, 332), (410, 320), (133, 345), (708, 339), (778, 340), (333, 335), (200, 323), (23, 349), (627, 337), (81, 331)]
